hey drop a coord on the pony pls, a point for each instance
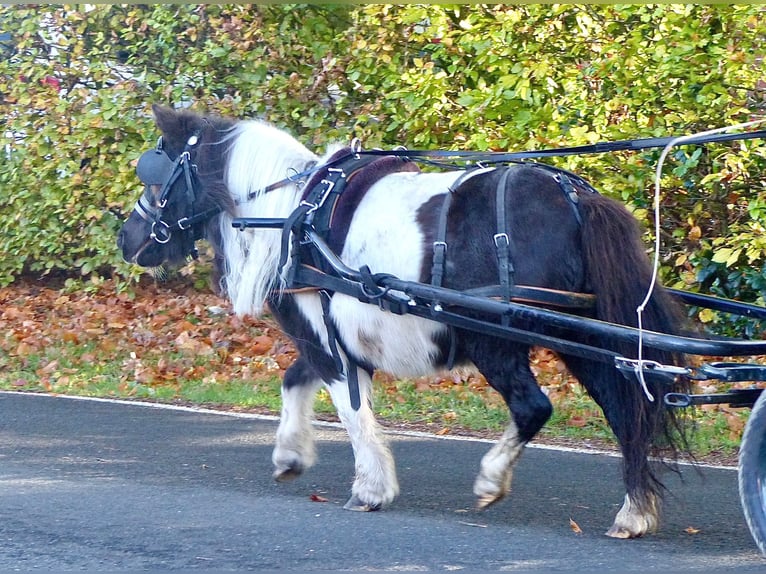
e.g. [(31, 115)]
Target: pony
[(503, 225)]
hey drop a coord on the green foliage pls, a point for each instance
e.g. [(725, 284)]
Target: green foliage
[(484, 77)]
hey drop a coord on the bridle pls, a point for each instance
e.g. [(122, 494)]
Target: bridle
[(154, 168)]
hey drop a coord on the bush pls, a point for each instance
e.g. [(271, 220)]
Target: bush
[(76, 83)]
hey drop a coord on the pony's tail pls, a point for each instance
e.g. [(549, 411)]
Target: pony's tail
[(619, 273)]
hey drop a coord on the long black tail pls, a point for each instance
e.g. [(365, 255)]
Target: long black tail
[(619, 272)]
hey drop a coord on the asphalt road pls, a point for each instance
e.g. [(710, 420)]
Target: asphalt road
[(88, 485)]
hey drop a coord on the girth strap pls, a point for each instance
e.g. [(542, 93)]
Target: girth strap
[(333, 341), (440, 256), (440, 242)]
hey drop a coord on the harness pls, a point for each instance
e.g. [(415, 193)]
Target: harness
[(506, 289), (324, 195), (318, 211)]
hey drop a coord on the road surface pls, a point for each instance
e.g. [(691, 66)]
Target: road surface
[(93, 485)]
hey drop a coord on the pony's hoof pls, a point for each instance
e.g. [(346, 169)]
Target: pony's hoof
[(631, 522), (287, 473), (621, 532), (355, 503), (487, 500)]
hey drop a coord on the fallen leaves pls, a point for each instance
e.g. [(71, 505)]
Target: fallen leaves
[(164, 333), (575, 527)]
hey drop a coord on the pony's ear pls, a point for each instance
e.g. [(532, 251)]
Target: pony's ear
[(176, 127), (165, 118)]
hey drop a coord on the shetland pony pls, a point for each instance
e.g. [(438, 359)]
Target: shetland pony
[(210, 170)]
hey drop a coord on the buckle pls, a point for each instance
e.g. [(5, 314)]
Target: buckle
[(504, 236)]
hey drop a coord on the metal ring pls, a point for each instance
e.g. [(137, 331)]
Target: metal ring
[(372, 295), (166, 233)]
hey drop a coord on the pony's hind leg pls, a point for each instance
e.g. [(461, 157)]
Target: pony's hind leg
[(375, 483), (294, 450), (506, 368), (632, 418)]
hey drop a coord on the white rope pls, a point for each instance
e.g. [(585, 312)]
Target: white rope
[(639, 363)]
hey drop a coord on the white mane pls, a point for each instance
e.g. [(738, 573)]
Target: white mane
[(259, 155)]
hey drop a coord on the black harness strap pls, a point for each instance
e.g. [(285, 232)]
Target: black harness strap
[(291, 230), (502, 242), (333, 341), (316, 211), (487, 158), (440, 243), (440, 257)]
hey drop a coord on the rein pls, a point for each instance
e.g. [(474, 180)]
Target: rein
[(438, 157)]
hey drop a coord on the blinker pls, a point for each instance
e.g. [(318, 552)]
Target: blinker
[(154, 167)]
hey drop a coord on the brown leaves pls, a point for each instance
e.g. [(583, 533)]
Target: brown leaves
[(575, 527), (162, 334)]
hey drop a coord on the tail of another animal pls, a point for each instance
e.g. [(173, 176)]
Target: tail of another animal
[(619, 272)]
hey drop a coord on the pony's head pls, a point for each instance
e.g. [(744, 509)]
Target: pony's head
[(179, 202)]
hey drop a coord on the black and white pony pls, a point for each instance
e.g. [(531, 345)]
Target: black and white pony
[(209, 170)]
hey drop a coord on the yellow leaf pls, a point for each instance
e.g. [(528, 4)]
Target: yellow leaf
[(722, 255), (695, 233), (575, 527), (706, 315)]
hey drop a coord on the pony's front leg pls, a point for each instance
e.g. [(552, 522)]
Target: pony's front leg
[(496, 472), (294, 450), (375, 482)]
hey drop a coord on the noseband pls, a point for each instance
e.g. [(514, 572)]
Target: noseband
[(156, 168)]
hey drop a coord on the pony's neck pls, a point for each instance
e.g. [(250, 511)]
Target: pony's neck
[(258, 156)]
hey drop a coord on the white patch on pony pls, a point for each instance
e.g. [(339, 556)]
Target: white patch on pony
[(259, 155), (294, 450), (630, 522), (402, 345), (375, 482), (384, 234), (494, 479)]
